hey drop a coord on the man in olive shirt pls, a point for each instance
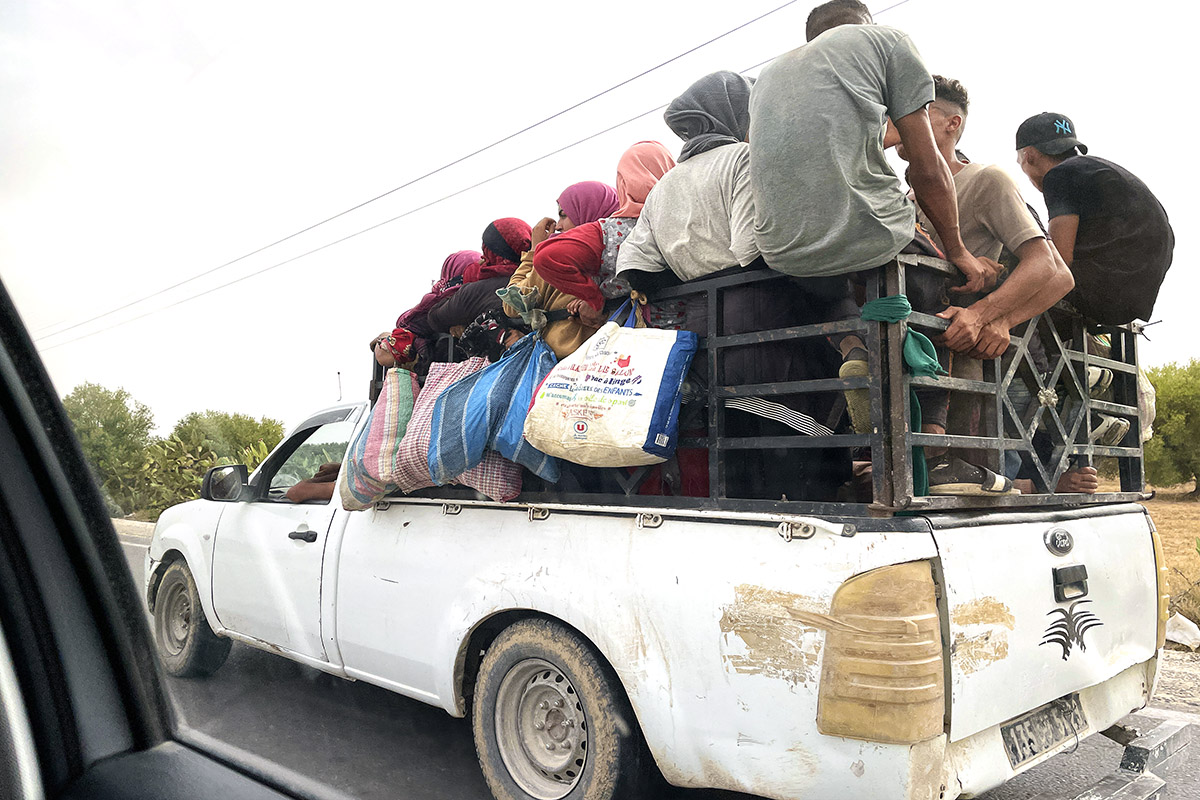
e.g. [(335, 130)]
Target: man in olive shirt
[(992, 216), (1107, 224)]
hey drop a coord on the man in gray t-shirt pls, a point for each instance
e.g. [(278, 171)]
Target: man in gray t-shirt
[(826, 200)]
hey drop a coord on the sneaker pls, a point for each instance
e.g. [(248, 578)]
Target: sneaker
[(858, 401), (1110, 431), (1099, 381), (953, 476)]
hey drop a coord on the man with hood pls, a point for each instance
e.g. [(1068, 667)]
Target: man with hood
[(699, 221)]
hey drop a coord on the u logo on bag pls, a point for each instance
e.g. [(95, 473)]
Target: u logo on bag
[(581, 427)]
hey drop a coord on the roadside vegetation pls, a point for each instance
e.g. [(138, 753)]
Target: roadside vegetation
[(1172, 469), (141, 474)]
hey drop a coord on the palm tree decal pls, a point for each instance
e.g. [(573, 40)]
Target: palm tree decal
[(1068, 628)]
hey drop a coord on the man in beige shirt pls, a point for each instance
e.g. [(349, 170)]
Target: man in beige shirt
[(993, 216)]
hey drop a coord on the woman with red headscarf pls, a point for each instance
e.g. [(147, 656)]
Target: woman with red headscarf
[(583, 261), (575, 271), (503, 243), (581, 205), (410, 338)]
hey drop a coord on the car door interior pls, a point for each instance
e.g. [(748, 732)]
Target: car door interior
[(83, 689)]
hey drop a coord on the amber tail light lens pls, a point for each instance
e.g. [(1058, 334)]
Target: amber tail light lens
[(1161, 584), (883, 677)]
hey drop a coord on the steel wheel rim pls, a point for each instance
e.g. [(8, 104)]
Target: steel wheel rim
[(175, 619), (541, 730)]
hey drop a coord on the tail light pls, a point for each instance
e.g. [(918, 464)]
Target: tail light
[(1164, 590), (883, 677)]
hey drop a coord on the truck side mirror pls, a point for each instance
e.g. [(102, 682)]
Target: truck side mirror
[(226, 484)]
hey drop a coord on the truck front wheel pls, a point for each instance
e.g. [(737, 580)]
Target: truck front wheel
[(187, 646), (551, 721)]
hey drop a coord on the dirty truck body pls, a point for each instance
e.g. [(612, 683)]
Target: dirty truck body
[(785, 656)]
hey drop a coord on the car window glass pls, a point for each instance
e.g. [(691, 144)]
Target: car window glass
[(326, 445)]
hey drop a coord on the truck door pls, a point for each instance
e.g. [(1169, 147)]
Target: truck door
[(1041, 606), (268, 550)]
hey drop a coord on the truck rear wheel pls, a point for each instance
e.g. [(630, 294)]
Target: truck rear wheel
[(187, 646), (551, 721)]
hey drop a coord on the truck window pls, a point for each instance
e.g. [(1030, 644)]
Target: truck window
[(323, 445)]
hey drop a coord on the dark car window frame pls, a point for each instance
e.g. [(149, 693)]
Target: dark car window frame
[(80, 647)]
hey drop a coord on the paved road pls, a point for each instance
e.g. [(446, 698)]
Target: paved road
[(375, 745)]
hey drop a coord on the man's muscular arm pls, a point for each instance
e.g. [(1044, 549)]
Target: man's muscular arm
[(1040, 280)]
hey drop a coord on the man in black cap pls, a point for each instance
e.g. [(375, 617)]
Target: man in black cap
[(1107, 225)]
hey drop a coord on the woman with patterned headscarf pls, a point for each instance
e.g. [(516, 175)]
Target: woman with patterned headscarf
[(503, 243)]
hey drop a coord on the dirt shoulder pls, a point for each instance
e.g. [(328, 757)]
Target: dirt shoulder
[(1177, 517)]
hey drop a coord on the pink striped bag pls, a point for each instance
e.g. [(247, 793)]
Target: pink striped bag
[(372, 461), (495, 476)]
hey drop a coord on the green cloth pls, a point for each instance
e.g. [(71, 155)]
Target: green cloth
[(920, 467), (887, 309), (921, 359), (920, 355)]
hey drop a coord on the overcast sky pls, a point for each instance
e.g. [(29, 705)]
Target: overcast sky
[(145, 142)]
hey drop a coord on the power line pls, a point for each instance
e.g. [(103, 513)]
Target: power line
[(358, 233), (335, 242), (420, 178)]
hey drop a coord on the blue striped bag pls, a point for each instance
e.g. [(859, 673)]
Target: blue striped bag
[(487, 409)]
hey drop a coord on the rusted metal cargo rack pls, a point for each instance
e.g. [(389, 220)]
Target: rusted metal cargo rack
[(1050, 434)]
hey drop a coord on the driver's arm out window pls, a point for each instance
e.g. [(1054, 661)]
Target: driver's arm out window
[(324, 447)]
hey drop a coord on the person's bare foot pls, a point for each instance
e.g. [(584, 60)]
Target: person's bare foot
[(1079, 480)]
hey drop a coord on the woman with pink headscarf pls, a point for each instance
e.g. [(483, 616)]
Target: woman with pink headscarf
[(579, 206), (582, 262)]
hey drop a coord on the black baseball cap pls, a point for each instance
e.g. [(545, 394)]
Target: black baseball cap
[(1053, 134)]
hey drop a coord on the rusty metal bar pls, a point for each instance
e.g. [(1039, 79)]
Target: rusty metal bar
[(955, 384), (881, 483), (716, 411), (962, 442), (782, 334), (900, 450), (799, 441), (1098, 361)]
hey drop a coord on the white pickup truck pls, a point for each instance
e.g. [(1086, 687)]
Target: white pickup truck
[(778, 652), (783, 656)]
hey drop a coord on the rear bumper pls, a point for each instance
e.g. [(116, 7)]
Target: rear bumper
[(980, 762)]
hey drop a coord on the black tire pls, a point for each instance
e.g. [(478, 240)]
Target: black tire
[(534, 672), (186, 644)]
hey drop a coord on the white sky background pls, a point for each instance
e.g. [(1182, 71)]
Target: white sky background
[(146, 141)]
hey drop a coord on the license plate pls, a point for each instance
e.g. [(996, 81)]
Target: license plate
[(1043, 729)]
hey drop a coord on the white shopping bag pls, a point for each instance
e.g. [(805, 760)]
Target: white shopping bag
[(614, 402)]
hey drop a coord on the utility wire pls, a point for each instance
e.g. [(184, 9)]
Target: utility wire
[(429, 174), (390, 220), (348, 237)]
